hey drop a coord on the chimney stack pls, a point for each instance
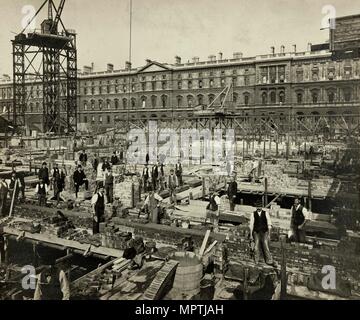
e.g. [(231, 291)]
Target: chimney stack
[(212, 58), (128, 65), (309, 46), (272, 50), (220, 55), (110, 67), (92, 66), (87, 69), (282, 49), (237, 55), (195, 59), (294, 46), (177, 60), (148, 61)]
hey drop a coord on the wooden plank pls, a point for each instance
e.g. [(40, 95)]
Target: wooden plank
[(203, 245), (210, 247), (45, 238)]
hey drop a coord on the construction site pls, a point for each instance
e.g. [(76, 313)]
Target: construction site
[(261, 202)]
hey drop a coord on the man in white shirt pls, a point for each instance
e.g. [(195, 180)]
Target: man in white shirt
[(212, 209), (173, 183), (151, 204), (98, 204), (52, 282), (260, 228), (299, 215), (41, 191)]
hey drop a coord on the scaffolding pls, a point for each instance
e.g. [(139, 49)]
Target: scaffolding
[(48, 56)]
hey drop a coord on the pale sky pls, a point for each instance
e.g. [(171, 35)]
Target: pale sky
[(165, 28)]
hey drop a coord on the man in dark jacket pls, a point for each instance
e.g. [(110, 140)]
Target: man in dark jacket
[(79, 180), (109, 186), (232, 193), (52, 282), (178, 172), (106, 165), (154, 176), (299, 215), (44, 173), (95, 163), (98, 203), (21, 180), (83, 158), (260, 227), (114, 159), (145, 178)]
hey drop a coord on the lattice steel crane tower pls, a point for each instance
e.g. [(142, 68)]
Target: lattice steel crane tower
[(49, 56)]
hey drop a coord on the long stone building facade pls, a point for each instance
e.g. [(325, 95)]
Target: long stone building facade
[(303, 83)]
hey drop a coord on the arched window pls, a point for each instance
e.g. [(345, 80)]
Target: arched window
[(235, 97), (116, 104), (347, 94), (108, 104), (272, 97), (200, 99), (264, 98), (222, 97), (124, 103), (315, 96), (133, 103), (246, 98), (179, 100), (143, 102), (31, 107), (85, 105), (190, 100), (164, 101), (153, 101), (211, 98), (37, 109), (92, 104), (299, 97), (282, 97), (331, 96), (100, 104)]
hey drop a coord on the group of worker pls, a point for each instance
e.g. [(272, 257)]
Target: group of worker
[(55, 179), (261, 225), (154, 178)]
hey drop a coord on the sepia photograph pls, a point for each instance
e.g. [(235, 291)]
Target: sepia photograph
[(188, 153)]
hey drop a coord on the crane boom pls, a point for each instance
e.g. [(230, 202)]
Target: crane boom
[(58, 15)]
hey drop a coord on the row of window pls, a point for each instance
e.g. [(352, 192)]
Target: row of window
[(332, 96), (209, 83), (155, 102)]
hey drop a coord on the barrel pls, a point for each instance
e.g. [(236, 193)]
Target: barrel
[(188, 273)]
